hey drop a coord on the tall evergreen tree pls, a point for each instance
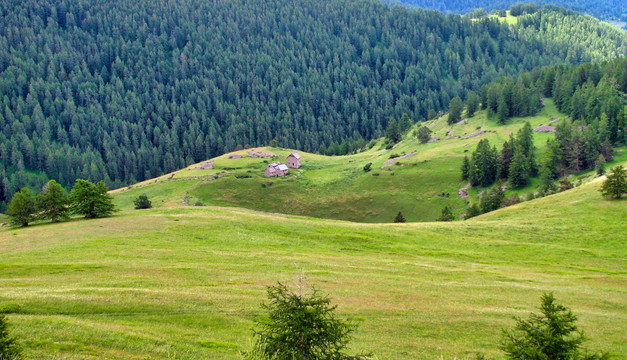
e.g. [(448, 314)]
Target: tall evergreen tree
[(518, 169), (472, 103), (616, 183), (455, 110)]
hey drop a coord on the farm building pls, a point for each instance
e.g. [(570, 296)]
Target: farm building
[(276, 169), (293, 160)]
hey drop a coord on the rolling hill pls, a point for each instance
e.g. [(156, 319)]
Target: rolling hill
[(337, 187), (178, 282)]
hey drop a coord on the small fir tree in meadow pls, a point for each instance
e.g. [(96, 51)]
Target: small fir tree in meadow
[(600, 165), (9, 349), (142, 202), (547, 185), (446, 215), (368, 167), (300, 324), (393, 131), (552, 334), (91, 200), (492, 199), (22, 208), (616, 183), (455, 110), (399, 218), (53, 202)]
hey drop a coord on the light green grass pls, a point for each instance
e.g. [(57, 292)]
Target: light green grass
[(337, 187), (186, 283)]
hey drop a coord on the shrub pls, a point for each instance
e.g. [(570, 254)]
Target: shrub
[(368, 167), (22, 208), (142, 202), (616, 183), (472, 211), (511, 200), (552, 334), (565, 184)]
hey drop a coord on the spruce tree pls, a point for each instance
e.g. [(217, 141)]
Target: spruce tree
[(300, 324), (424, 134), (9, 349), (393, 131), (465, 169), (505, 159), (472, 211), (455, 110), (600, 165), (616, 183), (53, 202), (22, 208), (446, 215), (518, 170), (552, 334), (399, 218), (472, 103), (91, 200)]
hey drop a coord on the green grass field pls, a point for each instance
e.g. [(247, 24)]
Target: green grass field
[(187, 283), (338, 188)]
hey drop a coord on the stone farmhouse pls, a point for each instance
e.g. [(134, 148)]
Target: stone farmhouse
[(293, 160), (276, 169)]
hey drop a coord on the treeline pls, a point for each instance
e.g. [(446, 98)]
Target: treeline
[(128, 90), (602, 9), (511, 97)]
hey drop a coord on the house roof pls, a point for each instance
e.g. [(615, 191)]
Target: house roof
[(295, 154), (282, 167)]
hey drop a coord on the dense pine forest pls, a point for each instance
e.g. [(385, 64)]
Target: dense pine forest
[(602, 9), (122, 91)]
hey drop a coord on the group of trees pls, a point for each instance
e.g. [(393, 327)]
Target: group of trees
[(52, 203), (510, 97), (125, 91), (515, 162)]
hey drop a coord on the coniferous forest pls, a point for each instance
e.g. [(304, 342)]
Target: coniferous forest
[(123, 91)]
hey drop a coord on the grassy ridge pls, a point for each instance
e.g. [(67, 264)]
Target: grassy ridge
[(180, 283), (338, 188)]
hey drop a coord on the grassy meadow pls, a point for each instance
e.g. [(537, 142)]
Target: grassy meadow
[(187, 283), (337, 187)]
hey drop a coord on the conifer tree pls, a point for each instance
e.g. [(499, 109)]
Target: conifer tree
[(446, 215), (492, 199), (22, 208), (472, 103), (393, 131), (472, 211), (505, 159), (466, 169), (616, 183), (9, 349), (600, 165), (53, 202), (142, 202), (399, 218), (455, 110), (518, 170), (552, 334), (301, 325), (424, 134)]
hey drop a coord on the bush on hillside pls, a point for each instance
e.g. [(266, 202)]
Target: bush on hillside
[(9, 349), (616, 183), (142, 202)]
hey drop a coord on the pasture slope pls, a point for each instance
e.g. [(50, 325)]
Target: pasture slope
[(178, 282), (338, 188)]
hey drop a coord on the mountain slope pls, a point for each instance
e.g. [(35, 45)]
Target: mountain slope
[(128, 90), (338, 188), (180, 283)]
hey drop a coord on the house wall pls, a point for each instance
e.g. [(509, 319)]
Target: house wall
[(293, 162)]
